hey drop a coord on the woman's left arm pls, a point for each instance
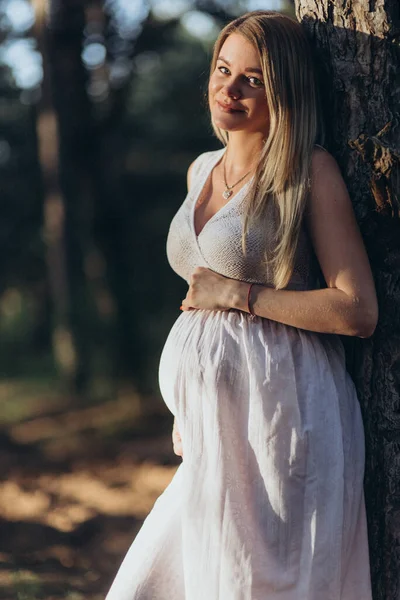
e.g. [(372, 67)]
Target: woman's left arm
[(347, 306)]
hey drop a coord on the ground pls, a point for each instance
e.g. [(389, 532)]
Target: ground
[(76, 484)]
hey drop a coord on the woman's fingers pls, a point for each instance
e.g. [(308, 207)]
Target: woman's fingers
[(177, 441)]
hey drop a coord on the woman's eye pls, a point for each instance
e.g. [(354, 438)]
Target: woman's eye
[(224, 70), (255, 81)]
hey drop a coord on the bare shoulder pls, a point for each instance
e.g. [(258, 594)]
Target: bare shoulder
[(322, 162), (327, 184), (329, 204)]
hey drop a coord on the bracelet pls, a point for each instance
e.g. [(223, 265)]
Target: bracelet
[(252, 313)]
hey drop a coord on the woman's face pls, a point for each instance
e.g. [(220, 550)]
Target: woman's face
[(236, 89)]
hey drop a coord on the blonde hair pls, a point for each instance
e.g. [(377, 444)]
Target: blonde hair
[(295, 125)]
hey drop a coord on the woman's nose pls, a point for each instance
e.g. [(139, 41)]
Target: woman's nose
[(232, 91)]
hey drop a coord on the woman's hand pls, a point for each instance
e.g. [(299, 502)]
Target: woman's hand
[(177, 440), (210, 291)]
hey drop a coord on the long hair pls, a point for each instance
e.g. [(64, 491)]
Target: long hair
[(295, 125)]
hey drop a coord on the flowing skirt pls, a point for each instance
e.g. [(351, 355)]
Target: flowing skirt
[(268, 502)]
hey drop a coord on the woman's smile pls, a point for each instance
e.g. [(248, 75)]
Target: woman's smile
[(228, 108), (236, 88)]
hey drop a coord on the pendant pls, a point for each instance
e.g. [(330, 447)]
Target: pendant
[(227, 194)]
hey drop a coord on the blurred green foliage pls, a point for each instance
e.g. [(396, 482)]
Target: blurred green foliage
[(128, 128)]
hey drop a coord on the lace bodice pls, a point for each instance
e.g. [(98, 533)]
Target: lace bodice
[(219, 244)]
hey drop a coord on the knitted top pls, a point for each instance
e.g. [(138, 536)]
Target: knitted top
[(219, 244)]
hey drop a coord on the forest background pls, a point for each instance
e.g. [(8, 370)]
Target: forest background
[(102, 109)]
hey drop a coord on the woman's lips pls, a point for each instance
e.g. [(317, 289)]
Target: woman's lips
[(228, 108)]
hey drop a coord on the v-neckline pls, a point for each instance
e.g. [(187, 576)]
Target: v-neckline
[(201, 185)]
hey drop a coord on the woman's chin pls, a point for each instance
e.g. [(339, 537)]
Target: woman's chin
[(229, 124)]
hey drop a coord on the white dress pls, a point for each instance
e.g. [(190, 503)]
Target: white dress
[(268, 502)]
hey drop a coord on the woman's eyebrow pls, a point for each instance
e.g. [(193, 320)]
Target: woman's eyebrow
[(247, 69)]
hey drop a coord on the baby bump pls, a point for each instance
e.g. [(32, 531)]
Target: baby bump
[(210, 355), (206, 354), (239, 386), (190, 355)]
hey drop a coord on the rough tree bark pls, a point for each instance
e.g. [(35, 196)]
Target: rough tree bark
[(357, 43)]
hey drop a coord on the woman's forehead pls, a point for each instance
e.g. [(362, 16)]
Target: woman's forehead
[(238, 49)]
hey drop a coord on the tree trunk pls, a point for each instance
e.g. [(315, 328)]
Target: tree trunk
[(358, 47), (64, 349)]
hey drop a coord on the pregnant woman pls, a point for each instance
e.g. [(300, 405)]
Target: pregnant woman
[(268, 502)]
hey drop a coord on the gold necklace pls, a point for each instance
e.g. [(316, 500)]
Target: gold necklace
[(227, 193)]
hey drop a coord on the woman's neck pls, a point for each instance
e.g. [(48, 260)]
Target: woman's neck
[(242, 152)]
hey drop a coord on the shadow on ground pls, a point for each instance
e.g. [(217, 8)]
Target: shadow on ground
[(76, 484)]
